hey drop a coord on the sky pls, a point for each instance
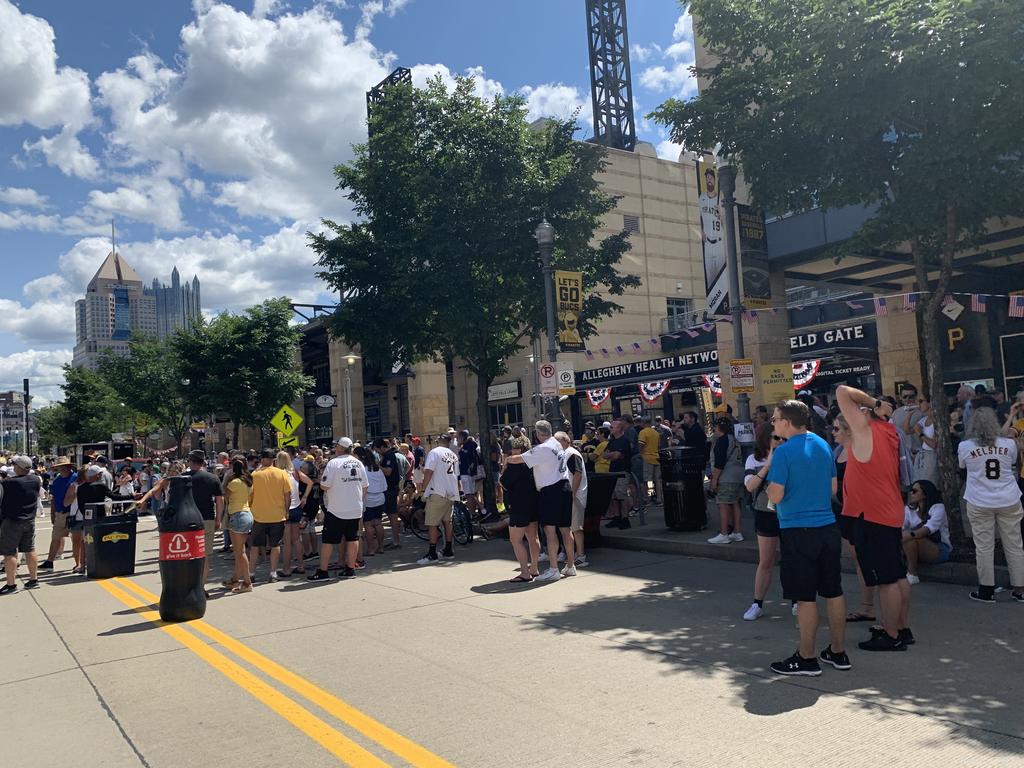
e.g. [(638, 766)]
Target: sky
[(208, 130)]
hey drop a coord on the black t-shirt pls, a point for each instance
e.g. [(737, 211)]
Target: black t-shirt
[(205, 488), (469, 456), (520, 490), (574, 464), (20, 497), (418, 456), (390, 461), (622, 445)]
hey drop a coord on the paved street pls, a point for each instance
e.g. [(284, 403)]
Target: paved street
[(640, 660)]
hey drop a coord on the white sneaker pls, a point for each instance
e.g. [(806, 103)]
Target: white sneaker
[(721, 538), (561, 557), (569, 570), (427, 560), (736, 536), (794, 609), (581, 561), (753, 612), (551, 574), (543, 557), (911, 578)]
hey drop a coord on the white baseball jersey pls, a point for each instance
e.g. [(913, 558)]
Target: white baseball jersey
[(548, 463), (710, 218), (444, 463), (991, 480)]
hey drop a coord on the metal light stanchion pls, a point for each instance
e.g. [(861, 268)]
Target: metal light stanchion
[(545, 234)]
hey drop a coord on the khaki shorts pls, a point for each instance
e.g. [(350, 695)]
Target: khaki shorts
[(209, 526), (578, 508), (652, 473), (60, 525), (438, 510), (621, 488)]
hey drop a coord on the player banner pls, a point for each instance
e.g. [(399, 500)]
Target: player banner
[(716, 279), (569, 306)]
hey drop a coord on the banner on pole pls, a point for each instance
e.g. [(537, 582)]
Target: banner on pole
[(569, 306), (716, 278)]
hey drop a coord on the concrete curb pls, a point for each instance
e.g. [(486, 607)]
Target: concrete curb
[(947, 573)]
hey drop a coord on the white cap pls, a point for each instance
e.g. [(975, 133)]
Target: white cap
[(607, 425), (344, 442), (93, 470), (22, 461)]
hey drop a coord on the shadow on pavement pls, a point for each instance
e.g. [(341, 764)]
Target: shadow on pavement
[(501, 587)]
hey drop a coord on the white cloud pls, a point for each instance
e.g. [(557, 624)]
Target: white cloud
[(270, 105), (23, 196), (677, 79), (44, 369), (371, 9), (683, 29), (154, 200), (263, 8), (33, 89), (681, 50), (642, 53), (556, 100), (484, 87), (64, 151), (669, 151), (38, 222)]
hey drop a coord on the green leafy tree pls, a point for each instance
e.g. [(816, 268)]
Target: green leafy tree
[(150, 382), (243, 366), (51, 427), (449, 190), (92, 409), (915, 107)]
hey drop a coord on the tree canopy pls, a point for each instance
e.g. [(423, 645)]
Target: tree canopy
[(914, 108)]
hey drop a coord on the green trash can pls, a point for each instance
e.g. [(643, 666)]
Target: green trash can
[(109, 543)]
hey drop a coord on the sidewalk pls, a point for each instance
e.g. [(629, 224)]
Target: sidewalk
[(654, 536)]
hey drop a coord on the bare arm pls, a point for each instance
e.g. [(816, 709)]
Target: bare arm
[(775, 492), (427, 475)]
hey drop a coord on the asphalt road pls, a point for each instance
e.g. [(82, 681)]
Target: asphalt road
[(641, 660)]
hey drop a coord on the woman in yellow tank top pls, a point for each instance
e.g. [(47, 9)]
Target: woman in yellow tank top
[(236, 497)]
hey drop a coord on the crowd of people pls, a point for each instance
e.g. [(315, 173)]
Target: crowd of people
[(858, 474)]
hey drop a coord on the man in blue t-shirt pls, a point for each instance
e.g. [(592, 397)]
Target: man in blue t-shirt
[(66, 477), (801, 479)]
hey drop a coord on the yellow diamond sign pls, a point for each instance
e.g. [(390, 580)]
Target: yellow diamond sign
[(286, 420)]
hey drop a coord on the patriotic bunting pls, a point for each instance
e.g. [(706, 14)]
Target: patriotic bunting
[(854, 305), (637, 348), (880, 308), (655, 343), (1017, 306), (979, 302), (598, 396), (910, 302), (620, 351), (652, 390), (589, 354)]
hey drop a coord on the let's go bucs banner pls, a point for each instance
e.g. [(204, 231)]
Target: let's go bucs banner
[(716, 280), (569, 306)]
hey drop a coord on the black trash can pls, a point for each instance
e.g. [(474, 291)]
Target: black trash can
[(682, 474), (110, 544)]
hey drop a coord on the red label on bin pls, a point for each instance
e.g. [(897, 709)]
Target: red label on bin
[(183, 545)]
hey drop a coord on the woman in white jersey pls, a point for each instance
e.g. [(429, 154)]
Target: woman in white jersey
[(993, 500), (926, 467)]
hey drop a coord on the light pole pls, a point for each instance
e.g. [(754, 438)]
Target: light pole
[(727, 186), (545, 234), (350, 359)]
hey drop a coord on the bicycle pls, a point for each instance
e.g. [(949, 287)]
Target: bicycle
[(462, 527)]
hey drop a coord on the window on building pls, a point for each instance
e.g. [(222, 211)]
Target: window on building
[(506, 413), (678, 314), (630, 223)]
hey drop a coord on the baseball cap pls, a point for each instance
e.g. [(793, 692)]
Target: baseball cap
[(607, 425), (415, 441), (93, 470), (197, 457), (344, 442), (268, 453), (101, 460), (22, 461)]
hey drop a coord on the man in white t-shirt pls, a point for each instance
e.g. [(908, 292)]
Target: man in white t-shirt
[(344, 484), (578, 485), (440, 490), (554, 497)]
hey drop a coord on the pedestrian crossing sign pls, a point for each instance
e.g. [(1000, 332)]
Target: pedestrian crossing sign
[(284, 442), (286, 420)]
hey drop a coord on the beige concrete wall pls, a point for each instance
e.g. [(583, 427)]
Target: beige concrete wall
[(899, 358), (337, 351), (428, 399)]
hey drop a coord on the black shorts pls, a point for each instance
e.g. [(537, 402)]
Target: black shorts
[(766, 523), (391, 500), (267, 534), (879, 551), (811, 563), (847, 526), (295, 515), (373, 513), (336, 529), (554, 505), (17, 536), (521, 514)]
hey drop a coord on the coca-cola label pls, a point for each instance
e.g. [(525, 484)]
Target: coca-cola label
[(183, 545)]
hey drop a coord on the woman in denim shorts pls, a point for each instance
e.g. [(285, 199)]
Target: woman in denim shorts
[(236, 497)]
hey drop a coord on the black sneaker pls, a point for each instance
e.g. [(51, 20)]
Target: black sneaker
[(614, 523), (1017, 596), (796, 665), (449, 555), (988, 597), (904, 634), (837, 660), (319, 575), (625, 524), (46, 565), (882, 642), (6, 589), (346, 573)]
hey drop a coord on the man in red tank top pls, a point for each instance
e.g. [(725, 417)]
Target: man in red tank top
[(871, 495)]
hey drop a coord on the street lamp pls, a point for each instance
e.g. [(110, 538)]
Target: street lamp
[(545, 234), (351, 358), (727, 186)]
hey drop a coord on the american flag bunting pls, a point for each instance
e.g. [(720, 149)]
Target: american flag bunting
[(910, 302), (880, 309), (979, 302), (1017, 306)]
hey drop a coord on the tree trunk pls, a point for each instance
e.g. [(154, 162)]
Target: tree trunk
[(949, 474), (235, 429), (484, 416)]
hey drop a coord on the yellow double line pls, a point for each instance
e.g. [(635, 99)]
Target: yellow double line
[(316, 728)]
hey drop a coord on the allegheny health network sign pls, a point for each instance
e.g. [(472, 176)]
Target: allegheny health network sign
[(663, 367)]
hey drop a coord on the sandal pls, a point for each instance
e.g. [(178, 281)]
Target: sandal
[(229, 583), (853, 616), (520, 579), (240, 588)]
